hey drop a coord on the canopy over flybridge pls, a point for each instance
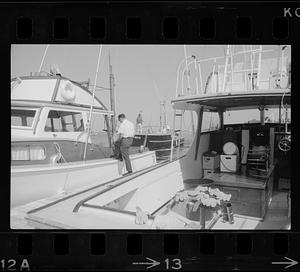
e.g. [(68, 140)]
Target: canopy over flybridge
[(243, 79), (237, 100), (52, 89)]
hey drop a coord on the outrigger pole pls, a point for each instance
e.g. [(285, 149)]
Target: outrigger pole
[(92, 104)]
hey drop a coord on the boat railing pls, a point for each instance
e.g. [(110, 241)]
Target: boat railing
[(252, 69), (152, 129)]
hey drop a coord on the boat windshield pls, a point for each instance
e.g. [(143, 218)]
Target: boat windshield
[(272, 115), (64, 121), (21, 117)]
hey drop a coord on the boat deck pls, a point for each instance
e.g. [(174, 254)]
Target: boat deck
[(61, 216), (65, 202), (277, 217)]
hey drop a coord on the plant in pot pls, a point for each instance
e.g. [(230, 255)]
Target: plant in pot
[(200, 204)]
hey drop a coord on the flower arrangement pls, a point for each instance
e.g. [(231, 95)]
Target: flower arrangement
[(203, 196)]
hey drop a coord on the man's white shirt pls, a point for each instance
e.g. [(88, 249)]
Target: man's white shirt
[(126, 129)]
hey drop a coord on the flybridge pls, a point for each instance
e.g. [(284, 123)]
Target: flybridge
[(52, 89), (242, 79), (250, 70)]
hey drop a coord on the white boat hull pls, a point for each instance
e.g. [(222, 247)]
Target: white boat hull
[(30, 183)]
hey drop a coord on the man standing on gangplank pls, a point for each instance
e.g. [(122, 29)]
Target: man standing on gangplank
[(124, 140)]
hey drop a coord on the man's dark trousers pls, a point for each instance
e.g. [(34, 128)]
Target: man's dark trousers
[(122, 148)]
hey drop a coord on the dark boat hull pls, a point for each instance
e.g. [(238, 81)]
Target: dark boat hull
[(161, 143)]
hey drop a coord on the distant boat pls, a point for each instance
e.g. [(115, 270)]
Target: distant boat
[(159, 138)]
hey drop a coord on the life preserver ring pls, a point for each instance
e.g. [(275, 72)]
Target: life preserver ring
[(285, 144), (67, 91)]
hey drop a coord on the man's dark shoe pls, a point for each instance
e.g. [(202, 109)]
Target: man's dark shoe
[(128, 173)]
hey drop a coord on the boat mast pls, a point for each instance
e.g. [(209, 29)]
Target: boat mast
[(112, 96), (92, 105), (162, 115)]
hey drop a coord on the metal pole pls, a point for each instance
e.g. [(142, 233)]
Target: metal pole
[(225, 69), (186, 67), (178, 70), (281, 65), (259, 66), (173, 134), (42, 62), (246, 66), (262, 115), (201, 83), (171, 152), (251, 73), (231, 65), (164, 114), (179, 135), (160, 116), (212, 78), (196, 78), (112, 96), (92, 104)]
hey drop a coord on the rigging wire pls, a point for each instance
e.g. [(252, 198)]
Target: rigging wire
[(92, 104)]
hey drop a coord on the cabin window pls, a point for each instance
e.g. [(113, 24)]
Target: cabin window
[(64, 121), (210, 121), (22, 117), (28, 153), (99, 133), (272, 115), (242, 116)]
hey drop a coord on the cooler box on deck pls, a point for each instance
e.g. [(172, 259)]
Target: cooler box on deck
[(229, 163), (211, 161)]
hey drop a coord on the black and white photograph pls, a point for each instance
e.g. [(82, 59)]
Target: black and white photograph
[(158, 137)]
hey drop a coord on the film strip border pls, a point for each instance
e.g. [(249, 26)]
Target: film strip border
[(150, 22), (164, 251)]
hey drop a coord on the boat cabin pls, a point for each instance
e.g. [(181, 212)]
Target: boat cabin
[(243, 141), (48, 109)]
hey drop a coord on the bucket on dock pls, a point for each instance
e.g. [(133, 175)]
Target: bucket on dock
[(202, 214)]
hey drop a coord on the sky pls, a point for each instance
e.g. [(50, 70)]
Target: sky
[(144, 74)]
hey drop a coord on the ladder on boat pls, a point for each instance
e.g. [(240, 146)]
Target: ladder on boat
[(176, 132)]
